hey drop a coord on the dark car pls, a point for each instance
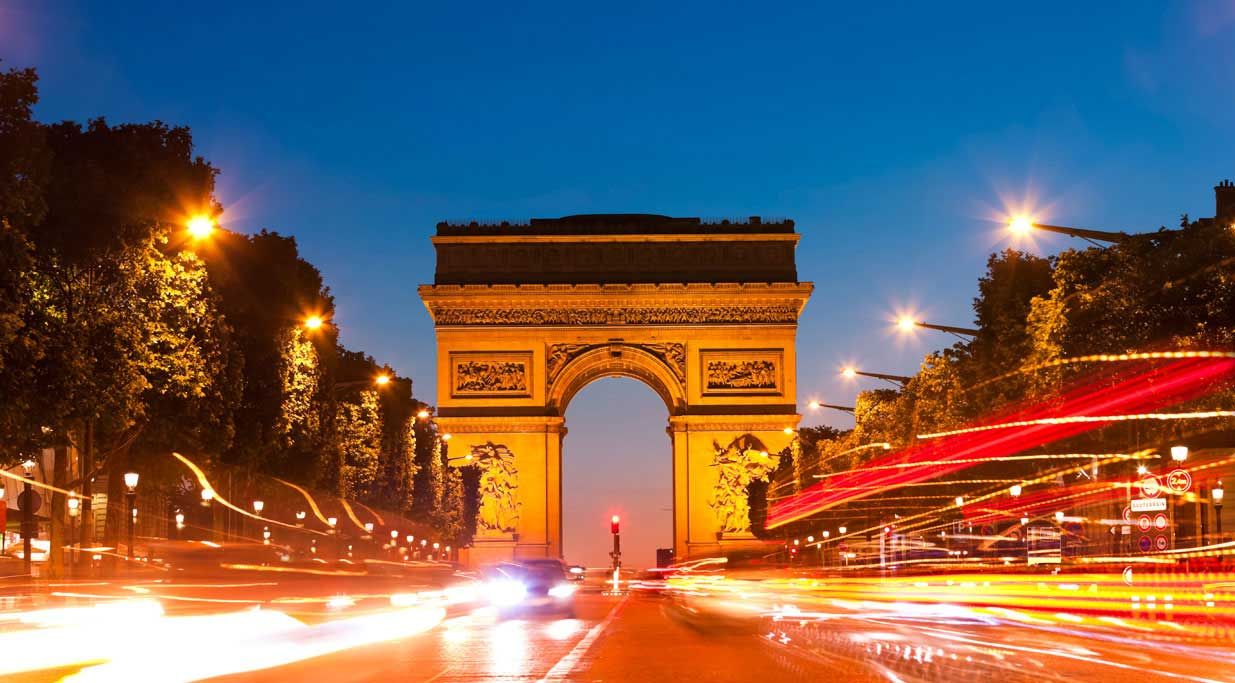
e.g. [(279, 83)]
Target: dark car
[(531, 586)]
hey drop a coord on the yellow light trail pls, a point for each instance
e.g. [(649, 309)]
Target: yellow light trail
[(1110, 358), (205, 484), (317, 512), (1074, 419), (925, 519), (381, 521), (352, 515), (1009, 458)]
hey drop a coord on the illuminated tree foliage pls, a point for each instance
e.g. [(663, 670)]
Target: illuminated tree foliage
[(124, 339), (359, 443), (1171, 289)]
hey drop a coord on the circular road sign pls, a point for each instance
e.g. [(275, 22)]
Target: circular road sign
[(1151, 486), (1160, 542), (1159, 521), (1144, 523), (29, 499), (1178, 481), (1145, 544)]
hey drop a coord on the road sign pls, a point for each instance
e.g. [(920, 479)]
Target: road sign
[(1161, 542), (1160, 521), (1178, 481), (1128, 513), (1144, 523), (1145, 505), (1145, 544), (1150, 486), (31, 498)]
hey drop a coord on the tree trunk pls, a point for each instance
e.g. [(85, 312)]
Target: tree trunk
[(115, 512), (85, 533), (56, 514)]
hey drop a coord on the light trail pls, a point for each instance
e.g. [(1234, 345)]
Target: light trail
[(205, 484), (1108, 358), (317, 512), (1012, 458), (1081, 419), (1067, 415), (352, 515)]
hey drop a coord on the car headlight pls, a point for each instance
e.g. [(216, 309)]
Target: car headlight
[(562, 590), (506, 592)]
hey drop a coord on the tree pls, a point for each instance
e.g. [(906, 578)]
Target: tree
[(267, 290), (360, 441)]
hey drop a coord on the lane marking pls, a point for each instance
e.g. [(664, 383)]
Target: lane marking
[(567, 663), (441, 673)]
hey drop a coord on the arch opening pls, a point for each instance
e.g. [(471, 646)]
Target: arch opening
[(616, 459), (618, 361)]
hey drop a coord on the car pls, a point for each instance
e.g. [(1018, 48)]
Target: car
[(530, 586)]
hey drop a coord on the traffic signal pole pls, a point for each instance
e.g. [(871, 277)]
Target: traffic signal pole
[(616, 553)]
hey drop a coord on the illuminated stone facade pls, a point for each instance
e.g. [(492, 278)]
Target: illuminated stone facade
[(527, 315)]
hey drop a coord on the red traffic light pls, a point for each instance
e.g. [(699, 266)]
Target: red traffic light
[(613, 524)]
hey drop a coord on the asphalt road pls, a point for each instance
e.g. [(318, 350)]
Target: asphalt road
[(750, 631), (629, 638)]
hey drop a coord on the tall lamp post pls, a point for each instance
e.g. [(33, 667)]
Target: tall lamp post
[(130, 497), (1217, 494), (3, 534), (27, 514), (74, 504)]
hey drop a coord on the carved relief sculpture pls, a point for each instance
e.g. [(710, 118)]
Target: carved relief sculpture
[(487, 374), (672, 353), (742, 372), (499, 484), (561, 354), (741, 462), (615, 316)]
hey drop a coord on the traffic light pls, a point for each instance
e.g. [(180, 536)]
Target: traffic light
[(613, 524)]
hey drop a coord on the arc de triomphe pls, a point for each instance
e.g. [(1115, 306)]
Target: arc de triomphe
[(526, 315)]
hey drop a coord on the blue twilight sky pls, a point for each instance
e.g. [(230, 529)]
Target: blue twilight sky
[(894, 136)]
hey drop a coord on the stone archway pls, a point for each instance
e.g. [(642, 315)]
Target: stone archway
[(526, 316)]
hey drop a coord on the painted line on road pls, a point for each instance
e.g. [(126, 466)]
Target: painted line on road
[(567, 663), (441, 673)]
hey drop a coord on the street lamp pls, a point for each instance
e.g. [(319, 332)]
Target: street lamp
[(1059, 516), (266, 535), (908, 324), (382, 380), (1022, 226), (314, 322), (200, 227), (258, 506), (1015, 490), (898, 380), (446, 437), (74, 503), (1179, 453), (422, 414), (130, 481), (207, 496), (842, 530), (300, 515), (1217, 494), (960, 501), (816, 405), (368, 527)]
